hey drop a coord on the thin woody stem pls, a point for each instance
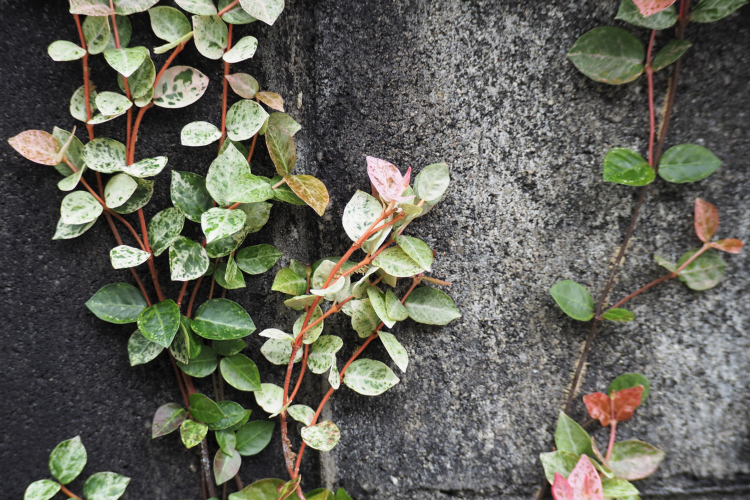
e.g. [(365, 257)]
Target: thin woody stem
[(225, 85), (228, 8), (69, 493)]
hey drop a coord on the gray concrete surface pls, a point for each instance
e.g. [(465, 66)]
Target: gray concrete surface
[(485, 87)]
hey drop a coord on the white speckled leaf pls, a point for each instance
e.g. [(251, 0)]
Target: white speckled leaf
[(96, 32), (257, 217), (229, 180), (65, 231), (244, 49), (335, 287), (139, 199), (192, 433), (312, 334), (221, 222), (298, 303), (274, 333), (90, 7), (243, 85), (264, 10), (396, 262), (164, 228), (127, 7), (187, 259), (63, 50), (78, 103), (270, 398), (199, 134), (323, 353), (104, 155), (359, 290), (199, 7), (168, 23), (323, 436), (377, 301), (244, 119), (189, 194), (359, 214), (141, 82), (369, 377), (333, 375), (235, 15), (119, 189), (43, 489), (126, 61), (70, 182), (141, 350), (278, 351), (364, 317), (148, 167), (67, 460), (180, 86), (101, 118), (394, 307), (395, 350), (112, 103), (105, 486), (79, 207), (301, 413), (169, 46), (159, 323), (123, 257), (431, 306), (211, 35)]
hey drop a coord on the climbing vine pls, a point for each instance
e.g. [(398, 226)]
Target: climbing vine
[(106, 177), (611, 55)]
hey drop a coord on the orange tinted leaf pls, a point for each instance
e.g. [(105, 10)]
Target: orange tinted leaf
[(309, 189), (599, 407), (37, 145), (561, 489), (706, 220), (731, 245), (626, 401), (271, 99), (651, 7)]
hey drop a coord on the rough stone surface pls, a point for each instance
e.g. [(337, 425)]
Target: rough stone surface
[(485, 87)]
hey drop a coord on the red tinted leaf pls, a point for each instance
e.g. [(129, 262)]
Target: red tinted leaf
[(651, 7), (561, 489), (271, 99), (585, 481), (599, 407), (37, 145), (731, 245), (706, 220), (626, 401)]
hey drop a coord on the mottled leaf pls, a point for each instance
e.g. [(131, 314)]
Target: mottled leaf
[(229, 180), (395, 350), (394, 307), (189, 194), (235, 15), (243, 85), (244, 49), (608, 55), (257, 216), (220, 223), (431, 306), (322, 353), (301, 413), (222, 319), (309, 189), (199, 7), (364, 317), (187, 260), (244, 119), (234, 415), (78, 103), (126, 61), (169, 46), (67, 460), (96, 32), (192, 433), (118, 190), (650, 7), (312, 334), (625, 166), (199, 134), (706, 220), (272, 100), (417, 250), (731, 245), (164, 229), (211, 35), (278, 351), (257, 259), (704, 272), (105, 486), (687, 163), (269, 398), (289, 282), (633, 460), (167, 418), (226, 466), (570, 437), (323, 436), (63, 50), (104, 155), (180, 86), (127, 7), (359, 214), (709, 11), (281, 148), (263, 10), (124, 256), (169, 23), (141, 350), (560, 462), (186, 345), (41, 490), (670, 53), (90, 7), (432, 182), (37, 145), (396, 262), (147, 167), (369, 377)]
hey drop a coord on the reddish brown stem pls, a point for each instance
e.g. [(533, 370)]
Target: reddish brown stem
[(301, 373), (134, 138), (228, 8), (69, 493), (86, 83), (651, 113), (192, 296), (180, 381), (182, 293), (225, 85), (250, 157)]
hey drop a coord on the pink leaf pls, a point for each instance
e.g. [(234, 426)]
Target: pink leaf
[(599, 407), (731, 245), (37, 145), (387, 180), (651, 7), (626, 401), (706, 220), (561, 489), (585, 481)]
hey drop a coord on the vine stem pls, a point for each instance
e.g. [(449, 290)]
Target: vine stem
[(124, 79), (225, 85), (228, 8), (86, 82), (69, 493)]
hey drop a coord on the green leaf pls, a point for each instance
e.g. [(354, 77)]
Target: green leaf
[(323, 436), (629, 13), (71, 182), (608, 55), (101, 118), (204, 409), (127, 7), (169, 46), (369, 377), (244, 49), (625, 166), (377, 300), (237, 281), (270, 398), (126, 61), (203, 365), (199, 134), (226, 466), (78, 103), (73, 151), (112, 103), (396, 262), (265, 489), (257, 216), (687, 163), (227, 441), (229, 347), (704, 272), (123, 257), (431, 306), (189, 194), (311, 190), (141, 350), (311, 335), (241, 373), (187, 259), (432, 182), (395, 350), (573, 299), (169, 23), (104, 155), (148, 167), (164, 229), (62, 50), (220, 223), (289, 282), (618, 488), (68, 231), (281, 148), (67, 460), (235, 15), (167, 418), (118, 303), (264, 10), (319, 494), (628, 380), (278, 351), (570, 437), (257, 259), (301, 413), (364, 317), (341, 494), (229, 180), (159, 323), (244, 119), (180, 86), (253, 437), (105, 486), (359, 214), (79, 207), (222, 319), (192, 433), (234, 415), (41, 490), (243, 85), (186, 345), (670, 53), (211, 35), (96, 32), (562, 462), (322, 353), (140, 197), (417, 250), (199, 7), (618, 314), (394, 307), (118, 190), (633, 460), (665, 263), (709, 11)]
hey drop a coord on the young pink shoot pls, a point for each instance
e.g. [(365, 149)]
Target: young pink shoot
[(583, 483), (387, 180), (651, 7), (706, 224)]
